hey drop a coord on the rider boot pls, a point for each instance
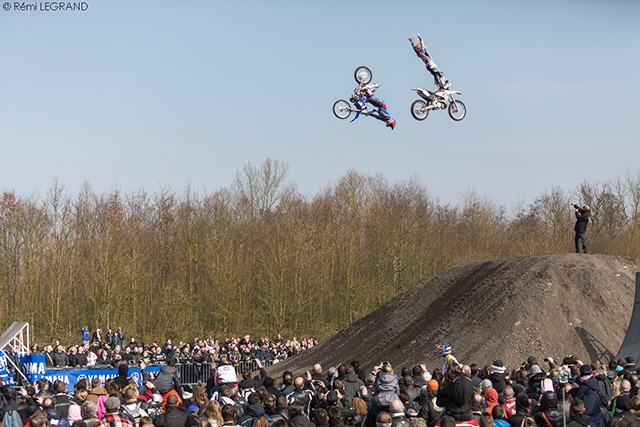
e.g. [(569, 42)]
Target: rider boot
[(391, 124)]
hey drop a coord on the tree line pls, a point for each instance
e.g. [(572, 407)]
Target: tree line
[(259, 257)]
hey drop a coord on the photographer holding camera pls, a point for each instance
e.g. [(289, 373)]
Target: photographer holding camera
[(582, 220)]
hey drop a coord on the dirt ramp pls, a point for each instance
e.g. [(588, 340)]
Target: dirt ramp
[(550, 305)]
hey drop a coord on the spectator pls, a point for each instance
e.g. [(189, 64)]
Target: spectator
[(89, 412), (491, 400), (298, 417), (168, 382), (173, 416), (588, 393), (498, 415), (398, 417), (112, 418), (579, 419), (229, 416), (300, 396), (456, 394)]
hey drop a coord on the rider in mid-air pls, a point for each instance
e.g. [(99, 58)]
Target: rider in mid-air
[(421, 51), (381, 113)]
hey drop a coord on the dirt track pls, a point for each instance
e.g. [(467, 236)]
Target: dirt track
[(550, 305)]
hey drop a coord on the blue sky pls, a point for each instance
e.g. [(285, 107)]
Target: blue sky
[(133, 94)]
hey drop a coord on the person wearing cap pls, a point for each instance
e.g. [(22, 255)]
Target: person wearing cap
[(588, 393), (112, 418)]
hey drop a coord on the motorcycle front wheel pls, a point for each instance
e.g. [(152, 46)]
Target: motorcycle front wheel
[(342, 109), (363, 75), (457, 110), (419, 110)]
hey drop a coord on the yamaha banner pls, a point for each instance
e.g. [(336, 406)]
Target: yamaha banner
[(34, 369)]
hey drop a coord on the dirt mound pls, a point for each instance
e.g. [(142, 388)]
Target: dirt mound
[(550, 305)]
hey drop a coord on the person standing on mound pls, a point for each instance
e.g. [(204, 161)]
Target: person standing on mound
[(582, 220)]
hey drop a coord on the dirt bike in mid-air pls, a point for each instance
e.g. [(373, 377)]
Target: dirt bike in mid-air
[(359, 98), (439, 100)]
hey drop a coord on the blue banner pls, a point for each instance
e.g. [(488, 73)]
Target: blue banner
[(34, 369), (6, 376)]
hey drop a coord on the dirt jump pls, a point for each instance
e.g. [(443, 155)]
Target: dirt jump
[(548, 305)]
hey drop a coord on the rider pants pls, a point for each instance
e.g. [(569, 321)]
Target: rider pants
[(382, 113)]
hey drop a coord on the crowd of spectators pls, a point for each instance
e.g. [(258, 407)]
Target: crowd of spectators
[(113, 349), (535, 393)]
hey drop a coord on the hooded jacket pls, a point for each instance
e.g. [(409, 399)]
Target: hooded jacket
[(522, 417), (252, 412), (491, 399), (167, 380), (588, 392), (123, 375), (386, 390), (96, 392), (352, 384)]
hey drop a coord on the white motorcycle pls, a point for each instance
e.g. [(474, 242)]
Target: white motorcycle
[(439, 100)]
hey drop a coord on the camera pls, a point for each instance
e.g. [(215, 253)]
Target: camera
[(563, 378)]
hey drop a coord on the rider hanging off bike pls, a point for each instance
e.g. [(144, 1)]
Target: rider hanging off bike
[(381, 113), (421, 51)]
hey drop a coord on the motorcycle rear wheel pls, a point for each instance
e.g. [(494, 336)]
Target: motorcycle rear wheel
[(457, 110), (363, 75), (419, 110), (342, 109)]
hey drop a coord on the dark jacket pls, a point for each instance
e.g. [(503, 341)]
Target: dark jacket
[(352, 384), (522, 417), (580, 420), (300, 421), (550, 415), (588, 392), (60, 359), (167, 380), (457, 398), (252, 412), (582, 217), (123, 375), (173, 417), (430, 411), (498, 381)]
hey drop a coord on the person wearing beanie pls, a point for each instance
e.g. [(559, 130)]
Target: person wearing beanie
[(523, 414), (588, 393), (497, 376), (429, 411)]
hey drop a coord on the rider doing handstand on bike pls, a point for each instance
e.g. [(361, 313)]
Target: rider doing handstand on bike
[(381, 113), (421, 51)]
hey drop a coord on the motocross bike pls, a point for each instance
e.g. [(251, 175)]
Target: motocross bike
[(438, 100), (343, 109)]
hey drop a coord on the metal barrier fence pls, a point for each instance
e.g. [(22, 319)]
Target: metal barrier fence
[(191, 374)]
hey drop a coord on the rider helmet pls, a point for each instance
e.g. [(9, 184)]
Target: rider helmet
[(443, 349)]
